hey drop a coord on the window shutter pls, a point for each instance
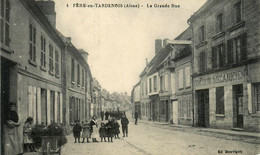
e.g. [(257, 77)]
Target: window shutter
[(244, 46), (230, 51), (249, 92), (214, 57)]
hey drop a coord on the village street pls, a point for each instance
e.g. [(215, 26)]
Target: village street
[(145, 138)]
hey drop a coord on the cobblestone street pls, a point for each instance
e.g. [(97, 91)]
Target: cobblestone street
[(149, 139)]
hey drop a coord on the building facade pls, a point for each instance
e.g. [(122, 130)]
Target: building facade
[(226, 54)]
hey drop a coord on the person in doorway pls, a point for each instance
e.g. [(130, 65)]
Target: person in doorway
[(124, 124), (76, 131), (86, 133), (11, 137), (27, 135), (136, 117)]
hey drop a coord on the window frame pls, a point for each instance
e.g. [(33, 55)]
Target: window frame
[(72, 70), (32, 43), (57, 66), (5, 23), (51, 59), (219, 22), (78, 74), (43, 51)]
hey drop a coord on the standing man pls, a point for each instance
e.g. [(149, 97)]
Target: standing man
[(102, 115), (136, 117), (107, 115), (124, 124)]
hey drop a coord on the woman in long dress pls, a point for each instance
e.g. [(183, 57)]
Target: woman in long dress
[(11, 138)]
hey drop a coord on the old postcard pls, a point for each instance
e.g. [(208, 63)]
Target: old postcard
[(157, 77)]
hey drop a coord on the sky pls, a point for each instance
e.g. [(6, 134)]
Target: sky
[(119, 40)]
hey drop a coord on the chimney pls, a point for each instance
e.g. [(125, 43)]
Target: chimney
[(146, 61), (84, 54), (165, 41), (48, 9), (158, 45)]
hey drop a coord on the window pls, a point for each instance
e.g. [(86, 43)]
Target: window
[(155, 83), (57, 71), (72, 70), (180, 78), (32, 51), (83, 78), (256, 105), (237, 49), (220, 100), (219, 22), (43, 52), (5, 21), (146, 85), (189, 108), (162, 83), (218, 56), (187, 76), (202, 62), (51, 67), (150, 84), (78, 74), (166, 82), (202, 33), (237, 8), (181, 108)]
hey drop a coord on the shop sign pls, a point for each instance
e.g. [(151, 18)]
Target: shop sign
[(220, 78)]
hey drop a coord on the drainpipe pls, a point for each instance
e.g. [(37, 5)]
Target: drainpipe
[(192, 66)]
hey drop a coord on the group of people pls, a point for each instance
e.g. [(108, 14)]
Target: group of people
[(115, 114), (91, 129), (12, 141)]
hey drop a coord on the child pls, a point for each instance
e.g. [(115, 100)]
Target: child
[(86, 132), (76, 131), (102, 132), (116, 129), (27, 137), (109, 127)]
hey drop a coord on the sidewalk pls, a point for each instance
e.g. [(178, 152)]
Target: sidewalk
[(238, 134)]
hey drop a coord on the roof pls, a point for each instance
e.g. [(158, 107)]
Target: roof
[(185, 35), (207, 5), (159, 57), (34, 8), (185, 51)]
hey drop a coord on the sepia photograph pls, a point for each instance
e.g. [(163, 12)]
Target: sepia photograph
[(130, 77)]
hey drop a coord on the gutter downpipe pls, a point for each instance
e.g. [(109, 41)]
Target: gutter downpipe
[(192, 66)]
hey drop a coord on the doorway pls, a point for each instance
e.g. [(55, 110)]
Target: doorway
[(238, 108), (203, 108), (167, 110)]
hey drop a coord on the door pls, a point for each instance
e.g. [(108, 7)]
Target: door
[(44, 106), (167, 110), (238, 106), (203, 108)]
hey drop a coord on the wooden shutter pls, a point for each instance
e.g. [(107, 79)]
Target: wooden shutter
[(244, 46), (230, 51), (214, 57)]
